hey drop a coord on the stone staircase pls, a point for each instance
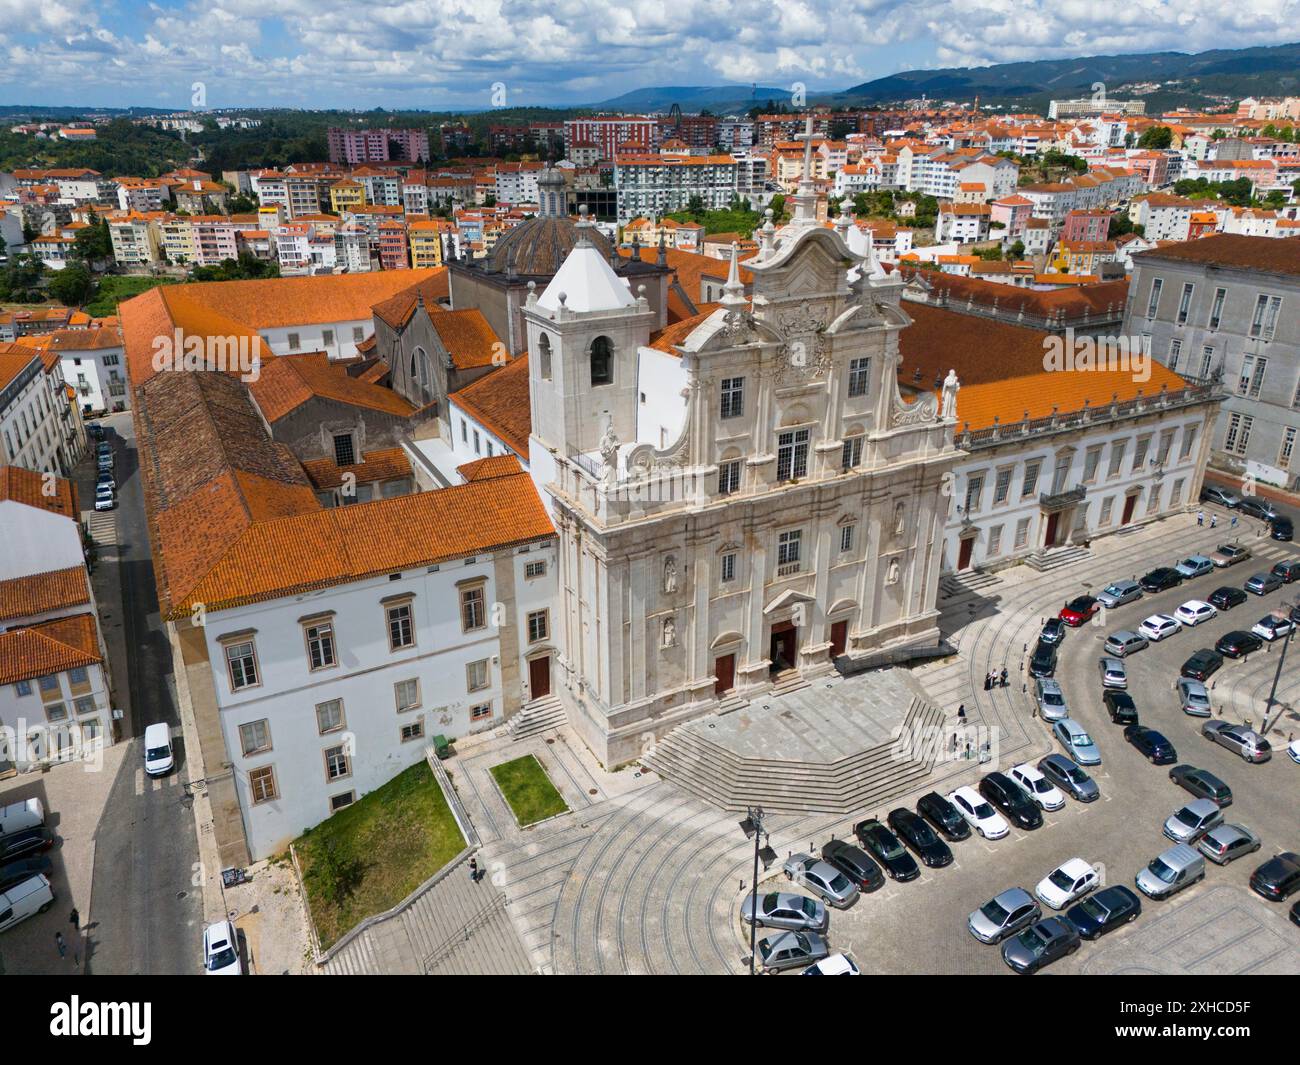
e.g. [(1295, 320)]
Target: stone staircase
[(968, 582), (856, 782), (539, 716), (1052, 558), (792, 682)]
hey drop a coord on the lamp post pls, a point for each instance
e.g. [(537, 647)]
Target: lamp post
[(1282, 612), (752, 826)]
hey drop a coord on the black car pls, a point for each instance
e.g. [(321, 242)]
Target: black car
[(917, 834), (1010, 798), (1152, 745), (1202, 665), (1121, 707), (884, 846), (1040, 944), (1043, 663), (1104, 911), (1226, 598), (1289, 571), (1160, 578), (1281, 529), (1295, 913), (1258, 508), (1236, 643), (1202, 783), (1053, 631), (1278, 877), (855, 863), (943, 815), (16, 872), (25, 843)]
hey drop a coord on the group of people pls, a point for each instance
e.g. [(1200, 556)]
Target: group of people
[(994, 679), (1214, 519)]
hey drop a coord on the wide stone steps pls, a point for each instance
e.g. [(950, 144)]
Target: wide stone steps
[(1056, 558), (541, 716), (967, 582)]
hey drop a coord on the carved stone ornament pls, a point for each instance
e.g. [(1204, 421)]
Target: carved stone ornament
[(922, 410)]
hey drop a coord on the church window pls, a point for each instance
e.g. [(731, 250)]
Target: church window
[(602, 362), (729, 477), (728, 566), (851, 452)]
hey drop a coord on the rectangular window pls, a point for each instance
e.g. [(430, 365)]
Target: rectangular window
[(974, 489), (23, 687), (1031, 479), (406, 693), (1264, 320), (1175, 349), (1238, 435), (1166, 444), (329, 716), (473, 609), (538, 625), (327, 338), (1216, 311), (1107, 507), (261, 784), (401, 631), (481, 712), (344, 451), (995, 541), (1156, 285), (1185, 302), (1022, 533), (1189, 440), (412, 731), (341, 800), (846, 539), (792, 455), (320, 645), (85, 705), (476, 675), (241, 661), (859, 376), (56, 711), (533, 570), (49, 683), (1176, 494), (1116, 457), (851, 452), (1288, 446), (733, 397), (1090, 461), (1207, 360), (1002, 486), (728, 566), (294, 341), (336, 763), (255, 737), (729, 477), (788, 546), (1140, 453)]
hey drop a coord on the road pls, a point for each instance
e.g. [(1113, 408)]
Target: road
[(147, 910)]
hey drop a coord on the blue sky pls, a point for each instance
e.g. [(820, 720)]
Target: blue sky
[(442, 54)]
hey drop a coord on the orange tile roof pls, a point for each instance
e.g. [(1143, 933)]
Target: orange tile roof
[(396, 311), (289, 381), (14, 359), (26, 486), (468, 338), (41, 593), (499, 401), (383, 465), (666, 339), (486, 469), (48, 647)]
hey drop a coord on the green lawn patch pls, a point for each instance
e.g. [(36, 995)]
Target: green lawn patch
[(371, 855), (115, 287), (528, 790)]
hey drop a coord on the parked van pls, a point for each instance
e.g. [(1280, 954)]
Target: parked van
[(158, 749), (21, 815), (1171, 872), (29, 897)]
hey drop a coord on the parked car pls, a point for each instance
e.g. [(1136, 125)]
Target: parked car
[(835, 965), (221, 950), (1051, 700), (1193, 698), (1159, 626), (25, 843), (1075, 739), (1212, 493), (1003, 915), (1160, 579), (1281, 529), (1278, 878), (1226, 598), (822, 879), (1173, 870), (1040, 944), (784, 909), (790, 950), (1079, 611), (855, 863), (1189, 823), (1067, 883), (1113, 673), (1236, 643), (1121, 707), (885, 847), (1202, 783), (1194, 611), (105, 498), (1239, 739), (32, 896), (1228, 555), (1151, 744), (913, 830), (1034, 784), (1124, 642), (1293, 751), (1258, 507), (944, 816), (1287, 571), (1225, 843), (1202, 664), (1043, 662), (21, 869), (1069, 777), (978, 813), (1005, 794), (1053, 631), (1105, 911), (1118, 593), (1263, 583), (1194, 566), (1272, 628)]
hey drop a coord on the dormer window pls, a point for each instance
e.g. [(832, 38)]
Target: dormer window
[(602, 362)]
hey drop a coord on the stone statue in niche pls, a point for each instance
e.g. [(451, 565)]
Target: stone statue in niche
[(900, 517), (670, 633), (892, 575), (670, 574)]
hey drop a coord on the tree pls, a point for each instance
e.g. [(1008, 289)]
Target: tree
[(241, 204), (94, 243), (1120, 224), (20, 280), (1158, 137), (1017, 250), (72, 285)]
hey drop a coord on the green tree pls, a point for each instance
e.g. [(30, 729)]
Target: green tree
[(1017, 250), (94, 243), (20, 280), (72, 285), (1158, 137)]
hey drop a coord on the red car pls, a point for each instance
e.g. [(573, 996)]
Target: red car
[(1079, 611)]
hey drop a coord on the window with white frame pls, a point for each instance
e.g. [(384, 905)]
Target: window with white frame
[(1264, 320), (1185, 302), (1252, 375), (1238, 435), (401, 629), (792, 454), (1175, 350), (1107, 507), (1002, 486), (336, 763), (476, 675), (732, 397), (241, 663), (413, 730), (538, 625), (1154, 302), (1117, 449), (406, 694), (1216, 309), (255, 737), (1091, 459), (859, 376), (851, 452), (1022, 533), (320, 645), (1288, 447), (1176, 493), (995, 542), (729, 477), (329, 716), (788, 545), (532, 570), (1140, 452), (473, 608), (727, 568), (1030, 482), (846, 539), (1189, 440), (974, 489), (261, 784)]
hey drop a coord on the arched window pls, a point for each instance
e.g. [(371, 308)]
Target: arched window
[(602, 362), (420, 370), (544, 355)]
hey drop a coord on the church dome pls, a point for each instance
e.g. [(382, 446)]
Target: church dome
[(538, 247)]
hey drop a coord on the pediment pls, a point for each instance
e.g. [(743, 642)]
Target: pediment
[(790, 597)]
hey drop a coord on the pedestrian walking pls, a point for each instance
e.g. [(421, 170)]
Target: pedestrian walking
[(1200, 517), (968, 748), (74, 919), (1234, 521), (473, 870), (1214, 520), (987, 677), (1004, 676), (62, 946), (961, 713)]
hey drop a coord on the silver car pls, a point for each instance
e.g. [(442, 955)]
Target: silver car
[(1239, 739), (1075, 739), (1192, 822), (1193, 697), (1004, 915), (1113, 673), (791, 950), (822, 879), (1263, 583), (1227, 843), (783, 909), (1119, 593), (1051, 700), (1124, 642)]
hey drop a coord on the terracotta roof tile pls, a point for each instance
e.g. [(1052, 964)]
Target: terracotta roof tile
[(27, 486), (384, 464), (1232, 249), (287, 382), (48, 647), (499, 401), (488, 468), (41, 593)]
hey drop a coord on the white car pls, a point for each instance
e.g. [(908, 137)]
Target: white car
[(1038, 787), (1067, 882), (221, 950), (105, 499), (979, 814), (1194, 611), (1271, 628), (1158, 626), (1293, 751), (835, 965)]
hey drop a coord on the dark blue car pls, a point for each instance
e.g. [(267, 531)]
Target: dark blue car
[(1104, 911), (1153, 746)]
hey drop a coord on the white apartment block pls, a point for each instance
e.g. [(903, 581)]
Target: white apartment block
[(39, 430), (653, 185)]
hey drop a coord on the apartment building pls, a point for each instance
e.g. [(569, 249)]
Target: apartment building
[(40, 429), (613, 135), (657, 184), (93, 364)]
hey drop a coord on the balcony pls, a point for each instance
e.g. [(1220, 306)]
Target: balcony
[(1060, 500)]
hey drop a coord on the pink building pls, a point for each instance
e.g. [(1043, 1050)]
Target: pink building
[(613, 135), (1013, 212), (1091, 226), (354, 146)]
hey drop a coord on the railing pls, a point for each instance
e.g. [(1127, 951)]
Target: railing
[(786, 569), (1063, 498)]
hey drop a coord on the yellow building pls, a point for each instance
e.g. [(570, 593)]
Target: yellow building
[(178, 240), (346, 194), (426, 242)]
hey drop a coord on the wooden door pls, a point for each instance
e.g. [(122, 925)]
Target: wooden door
[(839, 637), (1052, 521), (963, 559), (539, 676), (1129, 504), (724, 669)]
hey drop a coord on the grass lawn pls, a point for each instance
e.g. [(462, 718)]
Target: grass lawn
[(386, 844), (528, 790), (115, 287)]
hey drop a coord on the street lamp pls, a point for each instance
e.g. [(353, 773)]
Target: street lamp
[(1283, 613), (752, 826)]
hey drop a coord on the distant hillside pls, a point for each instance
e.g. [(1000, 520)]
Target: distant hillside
[(693, 98)]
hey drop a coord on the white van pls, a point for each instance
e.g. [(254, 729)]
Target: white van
[(21, 815), (157, 749), (23, 900)]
